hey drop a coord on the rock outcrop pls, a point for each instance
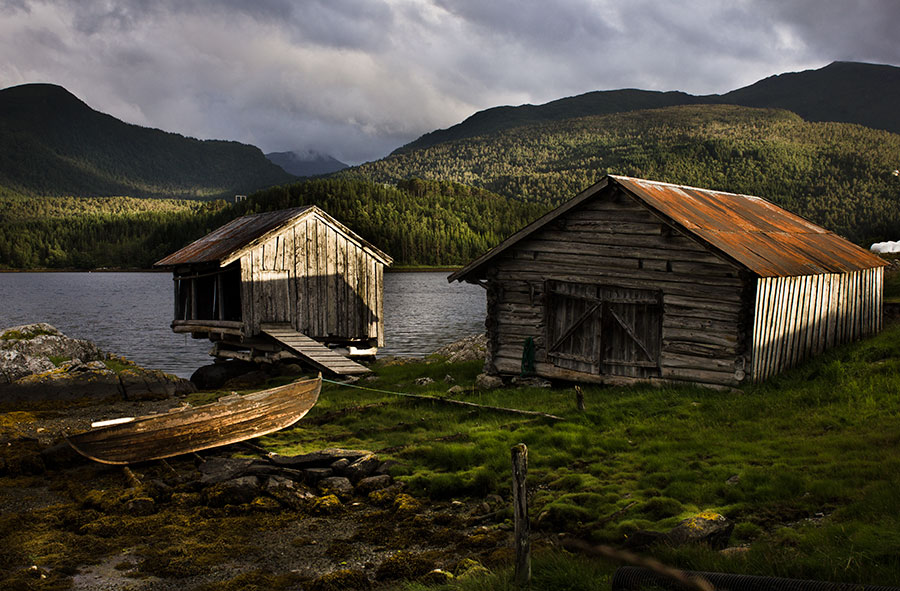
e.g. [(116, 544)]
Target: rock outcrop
[(38, 362), (471, 348), (28, 349)]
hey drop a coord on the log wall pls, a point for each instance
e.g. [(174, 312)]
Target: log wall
[(615, 242), (313, 275), (798, 317)]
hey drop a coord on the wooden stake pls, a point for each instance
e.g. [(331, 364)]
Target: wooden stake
[(520, 515), (579, 398)]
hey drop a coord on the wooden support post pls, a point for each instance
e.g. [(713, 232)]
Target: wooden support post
[(520, 515), (579, 398)]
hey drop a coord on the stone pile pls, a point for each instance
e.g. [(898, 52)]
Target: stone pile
[(320, 480), (471, 348)]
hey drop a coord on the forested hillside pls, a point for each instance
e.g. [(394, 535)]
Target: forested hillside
[(847, 92), (94, 232), (416, 222), (836, 174), (51, 143)]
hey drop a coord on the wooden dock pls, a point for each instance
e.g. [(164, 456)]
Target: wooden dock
[(312, 351)]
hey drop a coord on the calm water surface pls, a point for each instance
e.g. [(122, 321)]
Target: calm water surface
[(129, 313)]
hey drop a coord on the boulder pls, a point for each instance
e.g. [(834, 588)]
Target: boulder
[(326, 505), (28, 348), (707, 528), (288, 493), (289, 369), (340, 466), (251, 379), (424, 381), (216, 469), (373, 483), (28, 369), (488, 382), (233, 492), (314, 475), (336, 485), (72, 380), (317, 459), (150, 384), (471, 348), (361, 468), (15, 365), (214, 375), (530, 382)]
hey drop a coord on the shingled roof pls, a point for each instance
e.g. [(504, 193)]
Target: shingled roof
[(750, 231)]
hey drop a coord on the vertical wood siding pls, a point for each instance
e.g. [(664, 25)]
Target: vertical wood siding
[(312, 275), (798, 317)]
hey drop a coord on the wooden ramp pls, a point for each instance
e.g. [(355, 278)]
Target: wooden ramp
[(312, 351)]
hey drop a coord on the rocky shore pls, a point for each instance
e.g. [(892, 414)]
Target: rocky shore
[(40, 363), (225, 518)]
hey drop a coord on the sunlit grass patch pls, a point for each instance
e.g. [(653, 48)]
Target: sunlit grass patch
[(803, 461)]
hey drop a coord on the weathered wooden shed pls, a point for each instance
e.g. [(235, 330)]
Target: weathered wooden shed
[(635, 280), (280, 284)]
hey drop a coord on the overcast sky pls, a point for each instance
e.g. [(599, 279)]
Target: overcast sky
[(358, 78)]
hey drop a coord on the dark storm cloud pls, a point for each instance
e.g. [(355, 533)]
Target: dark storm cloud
[(864, 30), (357, 78)]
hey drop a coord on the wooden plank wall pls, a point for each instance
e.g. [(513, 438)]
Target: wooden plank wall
[(334, 287), (338, 284), (617, 242), (798, 317)]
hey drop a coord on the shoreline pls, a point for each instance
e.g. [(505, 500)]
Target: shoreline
[(402, 269)]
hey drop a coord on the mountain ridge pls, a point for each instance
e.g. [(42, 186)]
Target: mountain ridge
[(846, 92), (53, 143)]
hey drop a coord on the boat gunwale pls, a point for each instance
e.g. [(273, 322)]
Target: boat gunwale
[(198, 415)]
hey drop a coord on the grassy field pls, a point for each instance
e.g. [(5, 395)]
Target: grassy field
[(806, 465)]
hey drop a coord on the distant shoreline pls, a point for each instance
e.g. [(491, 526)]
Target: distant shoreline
[(401, 269)]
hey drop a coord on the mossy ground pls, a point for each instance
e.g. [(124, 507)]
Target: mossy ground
[(807, 465)]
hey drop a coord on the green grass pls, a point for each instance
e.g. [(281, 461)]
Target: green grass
[(815, 452)]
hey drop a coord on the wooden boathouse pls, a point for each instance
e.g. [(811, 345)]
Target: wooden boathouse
[(282, 284), (635, 280)]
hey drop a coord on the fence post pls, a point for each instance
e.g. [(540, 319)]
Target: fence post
[(520, 515)]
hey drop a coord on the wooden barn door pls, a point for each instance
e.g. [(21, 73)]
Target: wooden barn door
[(573, 326), (630, 332), (603, 330)]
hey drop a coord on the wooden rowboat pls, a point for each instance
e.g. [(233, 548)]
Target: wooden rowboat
[(229, 420)]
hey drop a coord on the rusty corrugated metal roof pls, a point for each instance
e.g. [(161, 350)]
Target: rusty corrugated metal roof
[(234, 235), (764, 238), (758, 235)]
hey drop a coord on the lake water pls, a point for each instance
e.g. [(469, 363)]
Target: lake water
[(129, 313)]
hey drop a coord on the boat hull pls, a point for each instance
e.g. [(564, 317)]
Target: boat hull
[(230, 420)]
